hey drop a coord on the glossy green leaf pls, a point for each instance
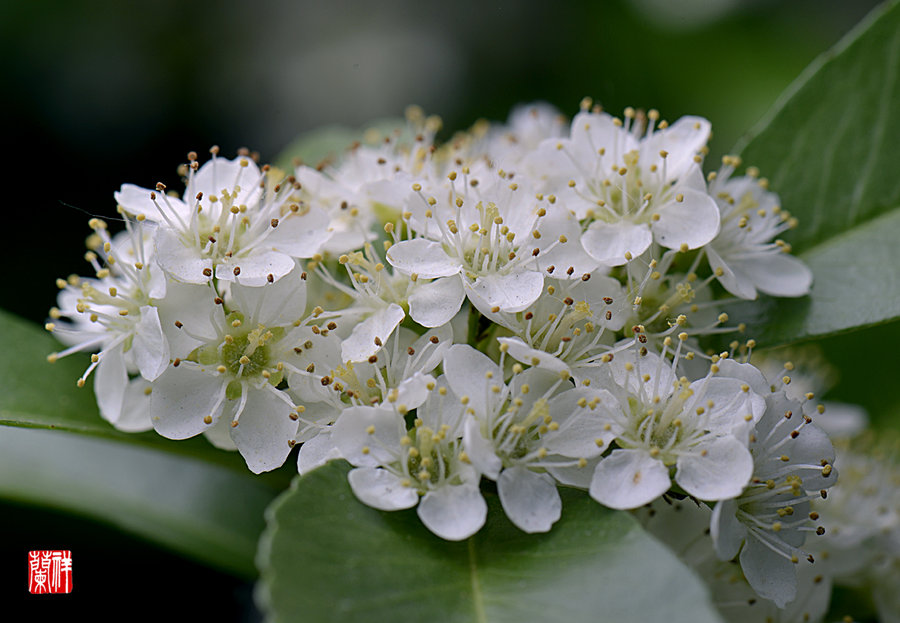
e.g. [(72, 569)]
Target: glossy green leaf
[(196, 508), (327, 557), (329, 143), (828, 149)]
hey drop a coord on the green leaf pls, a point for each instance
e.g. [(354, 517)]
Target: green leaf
[(330, 142), (828, 149), (56, 450), (327, 557), (196, 508)]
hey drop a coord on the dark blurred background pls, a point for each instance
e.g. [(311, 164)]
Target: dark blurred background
[(95, 94)]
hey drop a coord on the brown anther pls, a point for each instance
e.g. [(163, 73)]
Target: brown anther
[(176, 362), (434, 339), (179, 324), (207, 272), (270, 278), (237, 271)]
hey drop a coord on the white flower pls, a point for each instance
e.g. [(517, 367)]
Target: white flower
[(520, 433), (234, 222), (566, 329), (743, 256), (395, 467), (769, 521), (325, 385), (698, 428), (117, 315), (485, 232), (632, 187), (233, 376)]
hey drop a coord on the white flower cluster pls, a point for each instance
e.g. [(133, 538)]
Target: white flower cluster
[(522, 304)]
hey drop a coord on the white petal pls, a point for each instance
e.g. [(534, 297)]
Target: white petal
[(579, 477), (579, 430), (381, 489), (194, 308), (683, 140), (316, 452), (150, 346), (480, 450), (434, 304), (732, 411), (265, 429), (520, 351), (424, 257), (661, 378), (110, 382), (715, 471), (811, 447), (135, 416), (136, 201), (221, 174), (182, 262), (413, 391), (362, 448), (694, 221), (467, 371), (512, 292), (259, 268), (299, 235), (628, 479), (453, 513), (731, 279), (746, 372), (564, 255), (529, 499), (609, 242), (181, 398), (779, 275), (272, 304), (726, 531), (219, 435), (360, 345), (771, 575)]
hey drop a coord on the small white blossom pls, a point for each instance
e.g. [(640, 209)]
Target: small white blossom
[(518, 433), (743, 255), (663, 422), (633, 183), (233, 222), (769, 521), (395, 467)]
